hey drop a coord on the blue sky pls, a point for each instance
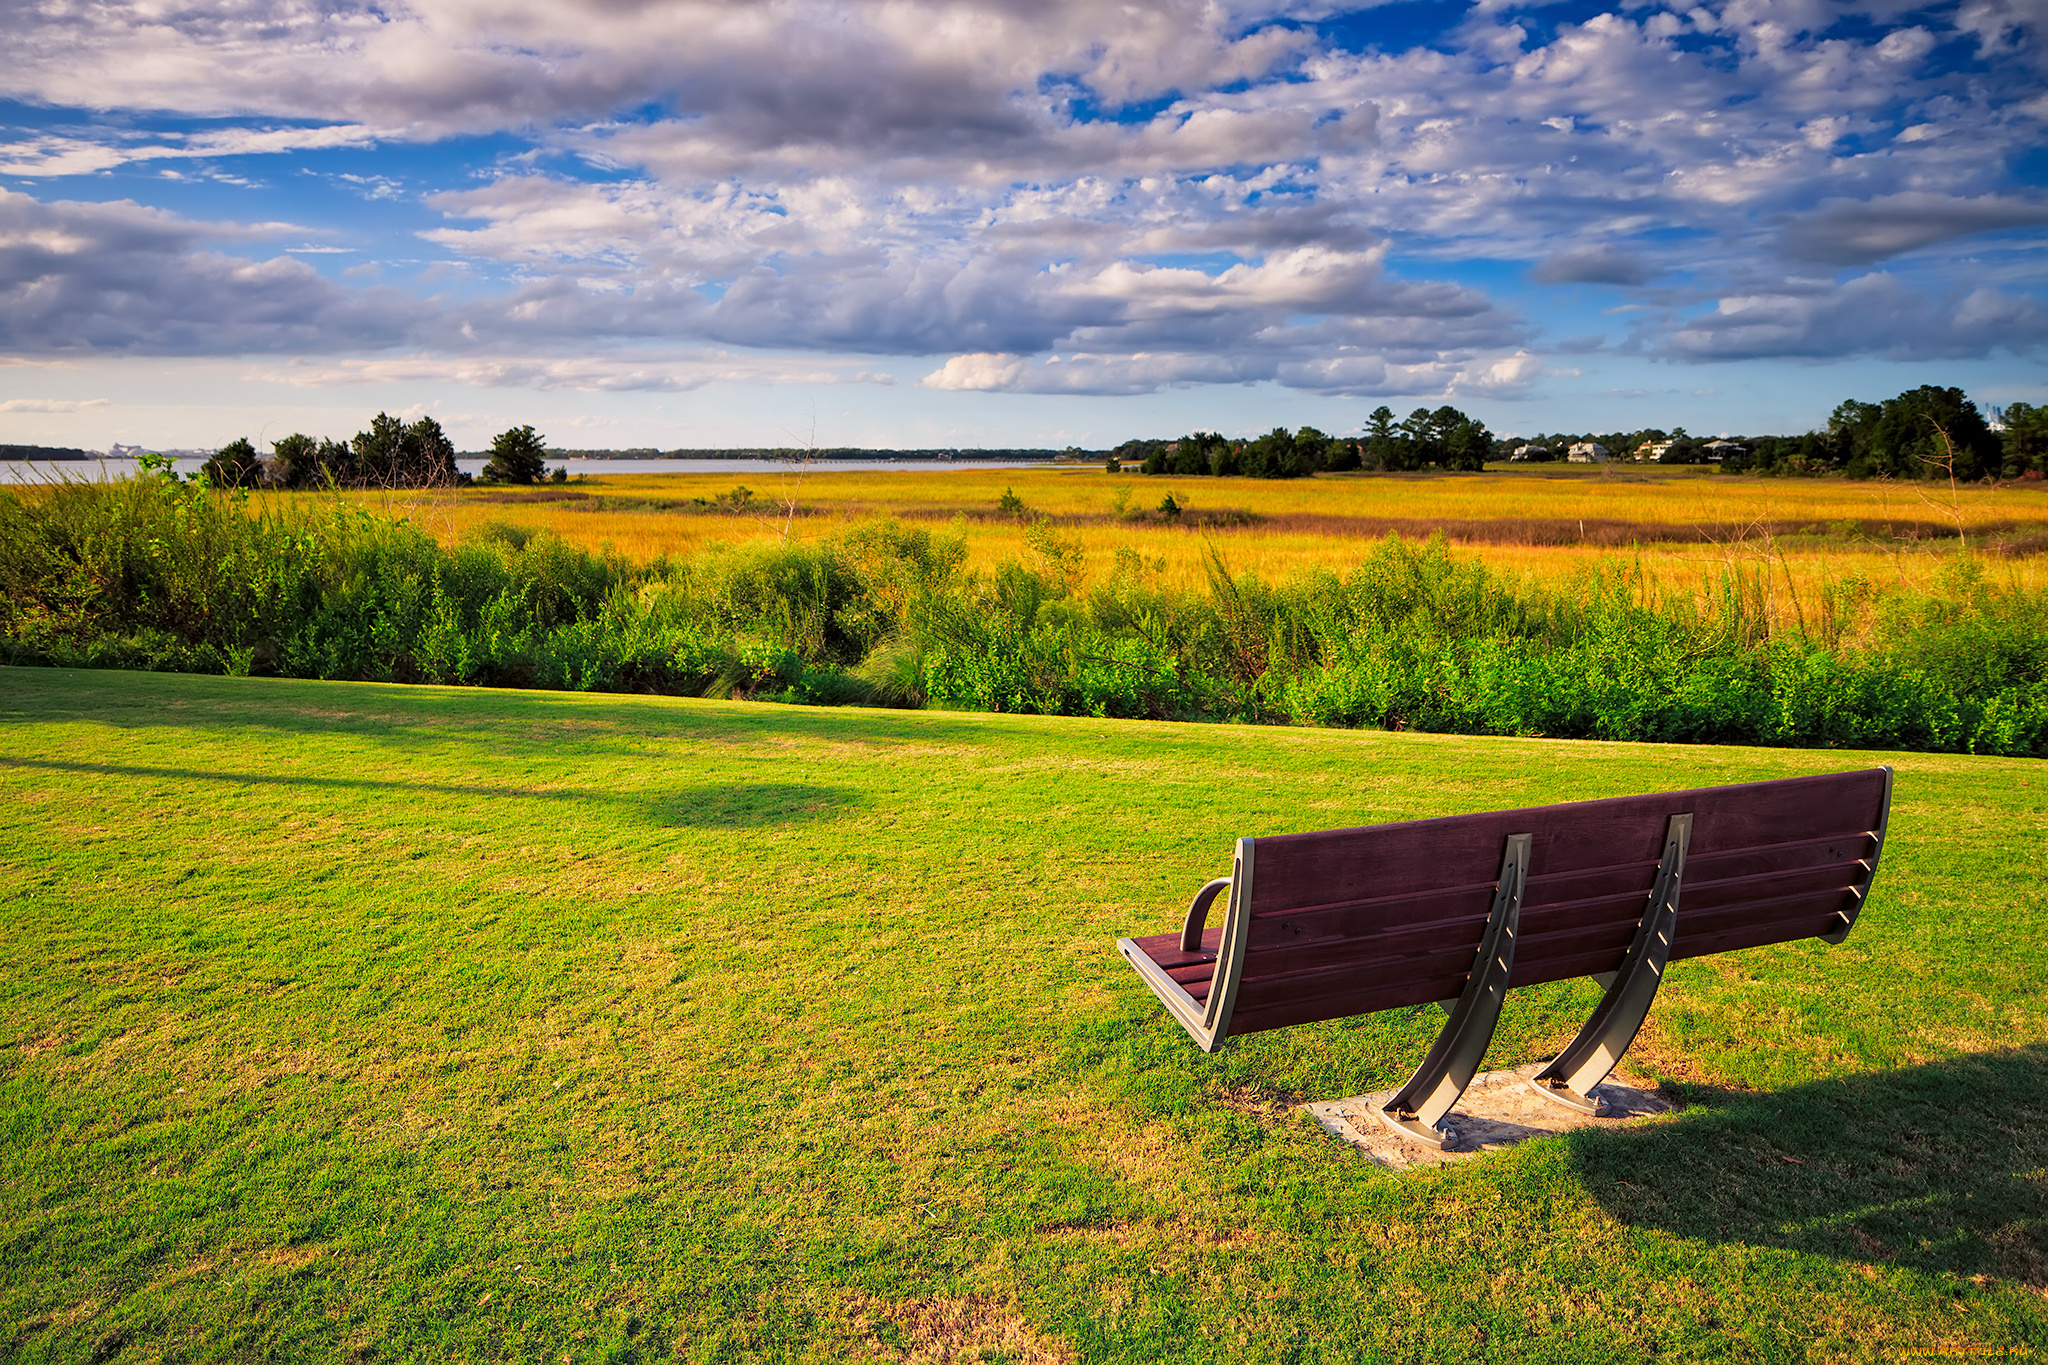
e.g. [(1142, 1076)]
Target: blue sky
[(926, 223)]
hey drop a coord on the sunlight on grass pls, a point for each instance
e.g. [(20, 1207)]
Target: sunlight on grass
[(406, 1022)]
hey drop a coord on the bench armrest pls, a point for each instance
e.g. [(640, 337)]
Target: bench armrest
[(1198, 914)]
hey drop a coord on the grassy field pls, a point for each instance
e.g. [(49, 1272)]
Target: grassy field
[(341, 1021), (1684, 524)]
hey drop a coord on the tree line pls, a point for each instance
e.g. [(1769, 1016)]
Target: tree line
[(390, 454), (20, 452), (1444, 439), (1923, 433)]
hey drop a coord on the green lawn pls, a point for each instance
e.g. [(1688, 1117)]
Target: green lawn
[(353, 1022)]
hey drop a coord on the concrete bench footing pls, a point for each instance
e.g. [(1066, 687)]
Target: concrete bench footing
[(1498, 1110)]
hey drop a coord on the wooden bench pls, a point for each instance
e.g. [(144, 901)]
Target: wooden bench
[(1458, 910)]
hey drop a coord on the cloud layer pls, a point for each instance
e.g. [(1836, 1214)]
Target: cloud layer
[(122, 277), (1046, 198)]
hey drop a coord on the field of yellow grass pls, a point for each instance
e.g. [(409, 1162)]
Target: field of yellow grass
[(1683, 527)]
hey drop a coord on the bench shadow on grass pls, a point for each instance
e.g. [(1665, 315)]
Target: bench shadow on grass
[(743, 805), (1935, 1168)]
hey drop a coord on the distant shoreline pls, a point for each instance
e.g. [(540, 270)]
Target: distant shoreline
[(961, 455), (13, 452)]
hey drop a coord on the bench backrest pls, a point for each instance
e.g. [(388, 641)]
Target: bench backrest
[(1351, 921)]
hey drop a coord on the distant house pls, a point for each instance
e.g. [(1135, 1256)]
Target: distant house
[(1530, 453), (1721, 450), (1587, 452), (1650, 450)]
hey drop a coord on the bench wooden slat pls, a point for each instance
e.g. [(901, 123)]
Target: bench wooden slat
[(1272, 969), (1549, 957), (1592, 962), (1425, 855), (1758, 887), (1448, 964), (1285, 1013), (1165, 949), (1855, 845), (1792, 913), (1624, 909), (1590, 883), (1756, 936), (1344, 918)]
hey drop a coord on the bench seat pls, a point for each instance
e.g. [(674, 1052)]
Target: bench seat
[(1460, 909)]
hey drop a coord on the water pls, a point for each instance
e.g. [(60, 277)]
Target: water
[(38, 471)]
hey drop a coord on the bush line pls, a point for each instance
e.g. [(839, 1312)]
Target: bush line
[(147, 573)]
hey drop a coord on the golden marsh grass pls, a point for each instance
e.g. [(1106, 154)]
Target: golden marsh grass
[(1683, 528)]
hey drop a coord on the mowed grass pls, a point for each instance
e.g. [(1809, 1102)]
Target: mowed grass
[(1685, 526), (341, 1021)]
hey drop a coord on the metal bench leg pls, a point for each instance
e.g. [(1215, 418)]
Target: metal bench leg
[(1614, 1024), (1455, 1056)]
